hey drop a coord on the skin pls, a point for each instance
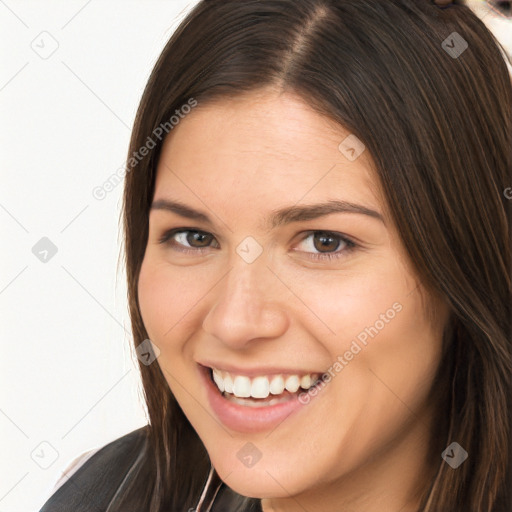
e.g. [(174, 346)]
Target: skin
[(362, 443)]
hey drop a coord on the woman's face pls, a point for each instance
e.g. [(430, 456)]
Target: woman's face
[(258, 281)]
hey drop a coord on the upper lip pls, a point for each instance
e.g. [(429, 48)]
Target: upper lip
[(256, 371)]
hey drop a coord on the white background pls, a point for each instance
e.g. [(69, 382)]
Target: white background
[(68, 373)]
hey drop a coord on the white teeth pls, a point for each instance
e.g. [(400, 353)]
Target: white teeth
[(217, 377), (261, 387), (292, 383), (305, 382), (228, 384), (242, 386), (277, 385)]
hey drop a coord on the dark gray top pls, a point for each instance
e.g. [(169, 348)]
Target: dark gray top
[(96, 484)]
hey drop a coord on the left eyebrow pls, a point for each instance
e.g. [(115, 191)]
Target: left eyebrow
[(314, 211), (279, 217)]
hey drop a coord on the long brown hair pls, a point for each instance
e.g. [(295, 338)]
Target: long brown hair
[(439, 129)]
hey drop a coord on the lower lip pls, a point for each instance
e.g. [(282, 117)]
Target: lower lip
[(245, 418)]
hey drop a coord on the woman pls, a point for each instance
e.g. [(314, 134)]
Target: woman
[(319, 265)]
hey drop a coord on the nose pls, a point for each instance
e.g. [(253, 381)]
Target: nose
[(247, 304)]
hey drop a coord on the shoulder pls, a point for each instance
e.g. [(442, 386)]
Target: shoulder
[(73, 466), (94, 476)]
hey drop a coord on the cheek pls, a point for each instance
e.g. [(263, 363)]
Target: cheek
[(153, 300), (381, 344), (382, 331), (389, 366), (166, 298), (350, 303)]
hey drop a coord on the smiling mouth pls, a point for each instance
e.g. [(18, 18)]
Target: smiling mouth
[(262, 391)]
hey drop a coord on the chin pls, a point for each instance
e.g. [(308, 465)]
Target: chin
[(274, 477), (497, 16), (259, 484)]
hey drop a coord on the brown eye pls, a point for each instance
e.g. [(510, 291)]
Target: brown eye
[(325, 242), (198, 239), (187, 239), (325, 245)]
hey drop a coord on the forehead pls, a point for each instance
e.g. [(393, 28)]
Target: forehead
[(265, 143), (265, 122)]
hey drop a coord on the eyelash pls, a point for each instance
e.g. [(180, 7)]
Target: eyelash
[(350, 244)]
